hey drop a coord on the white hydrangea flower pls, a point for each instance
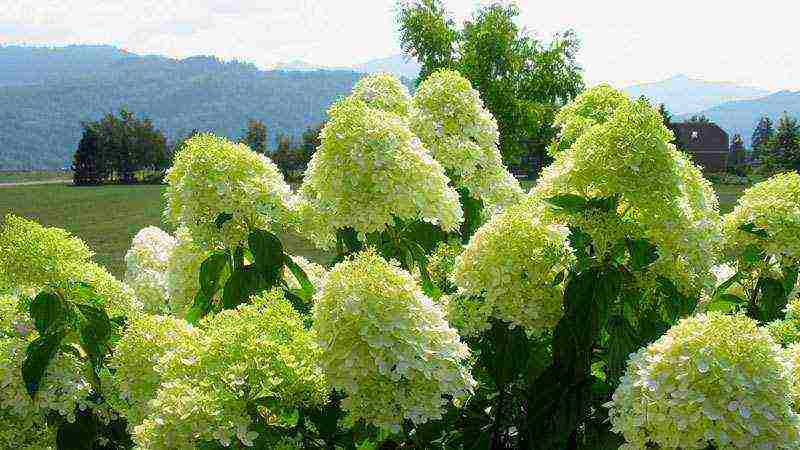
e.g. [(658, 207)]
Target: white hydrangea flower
[(369, 170), (713, 379), (386, 345), (451, 120), (147, 262), (212, 176)]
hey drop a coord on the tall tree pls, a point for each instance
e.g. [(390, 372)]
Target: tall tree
[(89, 165), (762, 134), (786, 143), (666, 117), (256, 136), (522, 81)]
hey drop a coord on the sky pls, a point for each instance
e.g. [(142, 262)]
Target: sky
[(623, 42)]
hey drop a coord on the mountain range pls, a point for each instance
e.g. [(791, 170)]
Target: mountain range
[(45, 94)]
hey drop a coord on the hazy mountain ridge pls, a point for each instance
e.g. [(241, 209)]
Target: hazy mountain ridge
[(741, 116), (46, 94), (685, 95)]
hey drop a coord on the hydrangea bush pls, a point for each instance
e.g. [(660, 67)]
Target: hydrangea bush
[(456, 312)]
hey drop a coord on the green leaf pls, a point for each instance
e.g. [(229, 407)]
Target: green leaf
[(95, 333), (47, 309), (642, 252), (751, 228), (752, 254), (771, 299), (200, 307), (622, 341), (38, 356), (222, 218), (242, 284), (735, 278), (473, 214), (568, 202), (300, 275), (268, 253), (213, 272), (726, 303)]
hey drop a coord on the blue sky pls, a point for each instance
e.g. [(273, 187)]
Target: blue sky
[(624, 42)]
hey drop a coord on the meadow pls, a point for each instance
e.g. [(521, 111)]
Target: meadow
[(107, 217)]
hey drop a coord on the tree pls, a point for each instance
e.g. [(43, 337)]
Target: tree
[(786, 143), (522, 81), (666, 116), (89, 165), (736, 153), (762, 134), (256, 136), (125, 145)]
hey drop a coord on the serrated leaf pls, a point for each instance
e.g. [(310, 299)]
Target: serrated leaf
[(222, 218), (213, 272), (642, 253), (95, 332), (37, 357), (268, 253), (47, 309), (752, 229), (568, 202), (726, 303), (300, 275), (242, 284)]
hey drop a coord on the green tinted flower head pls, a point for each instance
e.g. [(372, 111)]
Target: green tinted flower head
[(33, 256), (220, 191), (441, 263), (451, 120), (386, 345), (146, 340), (369, 170), (654, 192), (257, 353), (512, 263), (712, 380), (770, 210), (183, 268), (384, 91), (594, 106)]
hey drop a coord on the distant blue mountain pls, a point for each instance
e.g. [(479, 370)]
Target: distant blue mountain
[(741, 116), (45, 93), (685, 95)]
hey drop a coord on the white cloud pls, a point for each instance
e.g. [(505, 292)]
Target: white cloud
[(623, 41)]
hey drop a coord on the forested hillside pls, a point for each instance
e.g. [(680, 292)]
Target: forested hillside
[(46, 93)]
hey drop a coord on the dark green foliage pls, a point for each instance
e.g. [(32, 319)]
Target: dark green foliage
[(256, 136), (118, 148), (522, 81)]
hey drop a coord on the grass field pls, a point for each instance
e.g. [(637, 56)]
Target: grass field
[(23, 176), (108, 217)]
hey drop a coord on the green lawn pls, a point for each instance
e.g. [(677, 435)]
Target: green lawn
[(106, 217)]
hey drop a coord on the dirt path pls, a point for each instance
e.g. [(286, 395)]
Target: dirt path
[(31, 183)]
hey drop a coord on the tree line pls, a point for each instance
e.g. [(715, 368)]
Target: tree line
[(777, 148), (126, 149)]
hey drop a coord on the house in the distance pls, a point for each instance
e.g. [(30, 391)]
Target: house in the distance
[(706, 142)]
